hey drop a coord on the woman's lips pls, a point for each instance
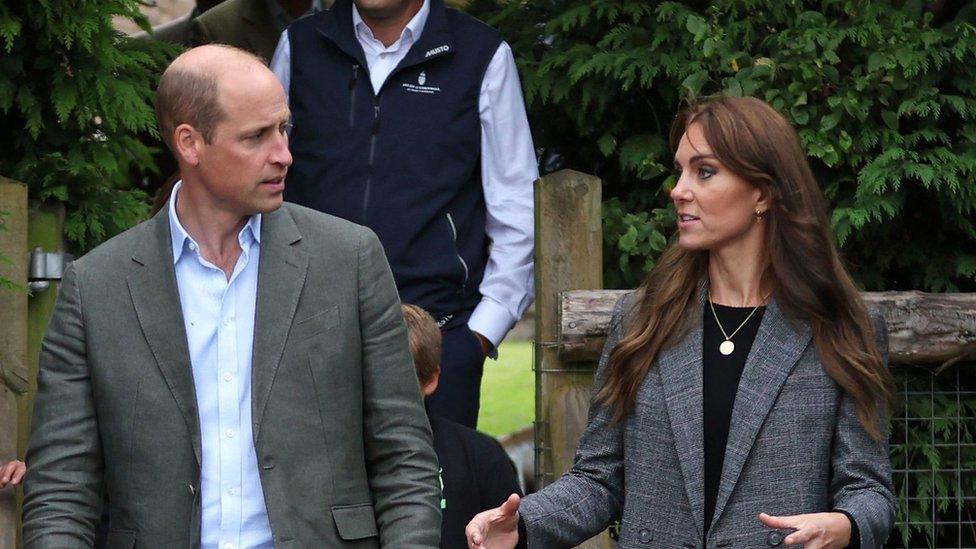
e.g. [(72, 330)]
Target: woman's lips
[(686, 220)]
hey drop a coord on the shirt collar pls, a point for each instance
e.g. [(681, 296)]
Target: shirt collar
[(413, 29), (179, 236)]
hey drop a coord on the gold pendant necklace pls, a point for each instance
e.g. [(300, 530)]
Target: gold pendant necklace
[(727, 347)]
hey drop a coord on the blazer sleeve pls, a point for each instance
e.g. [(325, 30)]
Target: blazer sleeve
[(63, 487), (861, 482), (400, 459), (586, 499)]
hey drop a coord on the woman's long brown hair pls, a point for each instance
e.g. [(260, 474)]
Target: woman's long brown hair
[(804, 267)]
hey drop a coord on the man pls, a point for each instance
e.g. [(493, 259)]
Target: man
[(253, 25), (409, 119), (234, 371)]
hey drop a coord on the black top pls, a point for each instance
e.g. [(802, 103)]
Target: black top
[(720, 380), (476, 475)]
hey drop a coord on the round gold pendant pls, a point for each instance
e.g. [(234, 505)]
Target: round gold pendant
[(726, 347)]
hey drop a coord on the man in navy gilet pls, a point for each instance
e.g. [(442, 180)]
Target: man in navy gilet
[(408, 118)]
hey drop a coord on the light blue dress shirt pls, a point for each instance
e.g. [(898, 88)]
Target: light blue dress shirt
[(218, 314)]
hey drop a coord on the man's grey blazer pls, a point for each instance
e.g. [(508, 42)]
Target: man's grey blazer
[(341, 436), (795, 446)]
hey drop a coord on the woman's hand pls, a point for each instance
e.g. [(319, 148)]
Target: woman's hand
[(813, 530), (12, 473), (495, 528)]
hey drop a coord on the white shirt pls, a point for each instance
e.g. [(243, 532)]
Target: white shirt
[(218, 315), (508, 170)]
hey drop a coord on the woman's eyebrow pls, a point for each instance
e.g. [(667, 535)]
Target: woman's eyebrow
[(700, 157)]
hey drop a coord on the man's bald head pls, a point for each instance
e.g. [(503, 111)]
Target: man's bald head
[(188, 92)]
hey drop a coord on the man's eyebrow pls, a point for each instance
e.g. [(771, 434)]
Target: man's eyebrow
[(268, 126)]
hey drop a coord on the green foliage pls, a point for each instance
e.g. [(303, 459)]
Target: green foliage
[(75, 96), (883, 95), (933, 454)]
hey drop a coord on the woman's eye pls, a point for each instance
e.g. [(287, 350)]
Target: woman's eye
[(705, 172)]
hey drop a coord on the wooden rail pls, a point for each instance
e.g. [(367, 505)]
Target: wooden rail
[(923, 328)]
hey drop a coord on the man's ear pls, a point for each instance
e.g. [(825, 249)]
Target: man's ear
[(188, 142)]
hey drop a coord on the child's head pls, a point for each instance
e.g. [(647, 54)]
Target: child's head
[(425, 346)]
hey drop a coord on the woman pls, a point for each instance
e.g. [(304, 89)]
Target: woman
[(742, 393)]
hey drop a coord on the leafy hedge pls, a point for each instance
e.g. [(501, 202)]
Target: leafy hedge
[(883, 94), (75, 99)]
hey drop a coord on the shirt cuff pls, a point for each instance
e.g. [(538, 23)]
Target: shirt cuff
[(855, 542), (492, 321)]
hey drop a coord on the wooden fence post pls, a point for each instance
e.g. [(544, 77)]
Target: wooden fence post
[(568, 256), (13, 342)]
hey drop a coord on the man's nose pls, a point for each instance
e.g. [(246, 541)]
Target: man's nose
[(281, 155)]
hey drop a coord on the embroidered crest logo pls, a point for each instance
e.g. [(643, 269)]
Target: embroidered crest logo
[(421, 85)]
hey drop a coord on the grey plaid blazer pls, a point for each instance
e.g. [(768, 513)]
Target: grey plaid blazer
[(795, 446)]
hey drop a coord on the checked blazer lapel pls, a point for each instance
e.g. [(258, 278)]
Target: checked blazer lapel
[(680, 368), (778, 346), (281, 277), (155, 296)]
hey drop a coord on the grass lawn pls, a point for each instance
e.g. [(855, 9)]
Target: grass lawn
[(508, 390)]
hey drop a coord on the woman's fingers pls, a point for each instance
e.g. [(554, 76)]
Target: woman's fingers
[(803, 535), (510, 507), (475, 530), (502, 520), (780, 522), (813, 530)]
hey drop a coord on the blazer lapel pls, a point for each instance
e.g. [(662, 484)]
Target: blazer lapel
[(155, 296), (281, 276), (778, 346), (680, 368)]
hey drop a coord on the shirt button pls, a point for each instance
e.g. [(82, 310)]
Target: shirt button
[(232, 491), (230, 433), (228, 376), (193, 247)]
